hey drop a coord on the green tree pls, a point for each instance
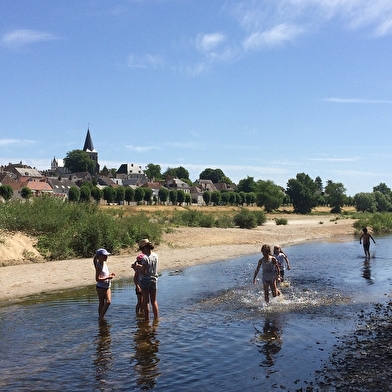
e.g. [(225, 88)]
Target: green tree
[(188, 199), (207, 197), (85, 193), (147, 195), (250, 198), (302, 192), (180, 197), (242, 197), (319, 183), (25, 192), (214, 175), (232, 198), (246, 185), (383, 202), (383, 188), (120, 195), (6, 191), (163, 194), (79, 161), (269, 195), (225, 196), (178, 172), (105, 171), (216, 198), (139, 195), (74, 194), (96, 194), (109, 194), (173, 196), (365, 201), (153, 171), (129, 194), (336, 195)]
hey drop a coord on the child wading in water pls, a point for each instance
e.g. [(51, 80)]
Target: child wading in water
[(283, 261), (365, 238), (136, 280), (270, 272), (104, 280)]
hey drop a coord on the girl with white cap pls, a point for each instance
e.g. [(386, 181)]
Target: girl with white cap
[(104, 280)]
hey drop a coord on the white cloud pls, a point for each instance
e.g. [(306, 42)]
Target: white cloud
[(9, 142), (335, 159), (356, 100), (24, 37), (180, 145), (209, 42), (145, 61), (277, 35), (141, 148)]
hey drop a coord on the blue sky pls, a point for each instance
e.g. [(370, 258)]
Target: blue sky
[(266, 89)]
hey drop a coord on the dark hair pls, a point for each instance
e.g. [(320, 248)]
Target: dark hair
[(266, 248)]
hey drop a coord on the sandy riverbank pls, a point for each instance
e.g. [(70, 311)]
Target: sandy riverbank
[(184, 247)]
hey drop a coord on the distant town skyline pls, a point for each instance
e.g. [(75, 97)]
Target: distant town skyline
[(265, 89)]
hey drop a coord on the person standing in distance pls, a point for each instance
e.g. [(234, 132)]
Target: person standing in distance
[(104, 281), (149, 278)]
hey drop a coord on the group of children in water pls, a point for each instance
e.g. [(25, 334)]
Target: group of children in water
[(273, 266), (145, 279)]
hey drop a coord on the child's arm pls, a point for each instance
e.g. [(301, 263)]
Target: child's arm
[(287, 262), (276, 267), (360, 238), (372, 238), (256, 271)]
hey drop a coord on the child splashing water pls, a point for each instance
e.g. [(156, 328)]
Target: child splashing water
[(270, 272)]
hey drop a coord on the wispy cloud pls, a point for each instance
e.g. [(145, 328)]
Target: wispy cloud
[(23, 37), (356, 100), (277, 35), (335, 159), (10, 142), (181, 145), (145, 61), (141, 148), (258, 17), (209, 42)]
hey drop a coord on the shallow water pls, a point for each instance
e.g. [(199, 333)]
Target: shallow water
[(214, 333)]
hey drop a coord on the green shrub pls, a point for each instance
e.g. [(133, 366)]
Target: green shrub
[(260, 217), (281, 221), (245, 219), (380, 222)]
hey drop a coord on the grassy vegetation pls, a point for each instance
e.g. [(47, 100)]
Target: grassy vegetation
[(379, 222), (70, 230), (67, 230)]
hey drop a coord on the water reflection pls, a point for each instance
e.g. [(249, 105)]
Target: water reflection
[(103, 361), (366, 271), (269, 341), (146, 359)]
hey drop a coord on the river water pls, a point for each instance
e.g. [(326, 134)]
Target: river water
[(214, 333)]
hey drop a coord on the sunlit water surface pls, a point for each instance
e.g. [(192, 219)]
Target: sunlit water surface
[(214, 333)]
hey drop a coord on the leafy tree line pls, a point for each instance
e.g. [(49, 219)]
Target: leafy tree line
[(302, 192)]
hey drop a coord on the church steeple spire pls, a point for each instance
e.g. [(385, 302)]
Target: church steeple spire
[(89, 149), (88, 143)]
